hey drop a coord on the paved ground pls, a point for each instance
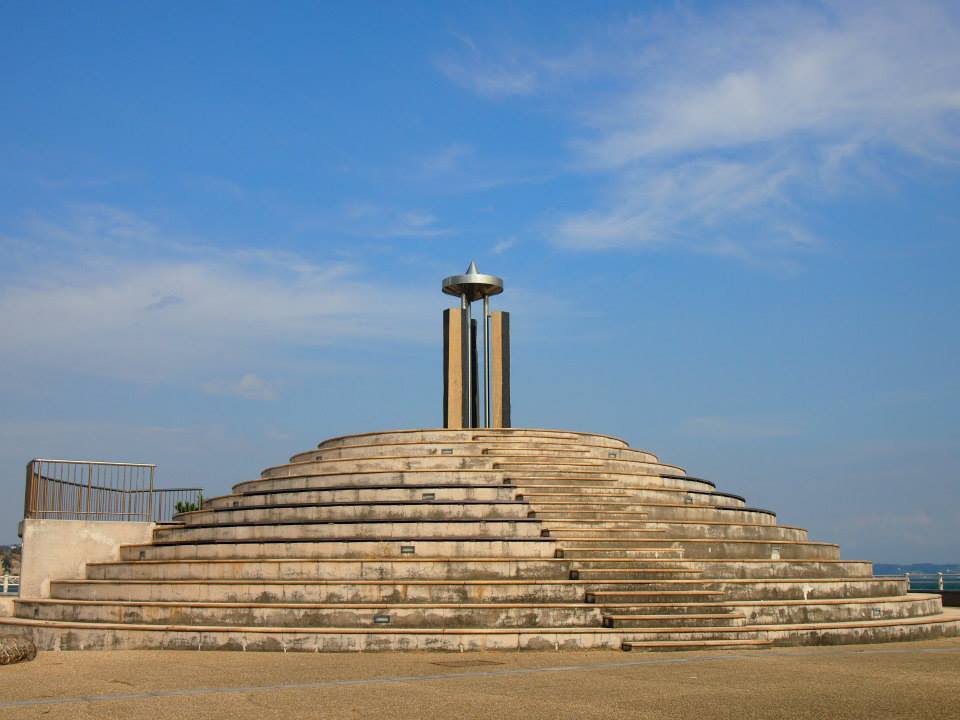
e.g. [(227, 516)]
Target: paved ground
[(906, 680)]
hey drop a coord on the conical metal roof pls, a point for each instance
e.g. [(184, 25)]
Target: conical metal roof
[(473, 284)]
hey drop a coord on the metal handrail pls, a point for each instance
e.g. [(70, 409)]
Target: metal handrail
[(942, 580), (100, 490), (93, 462), (939, 577)]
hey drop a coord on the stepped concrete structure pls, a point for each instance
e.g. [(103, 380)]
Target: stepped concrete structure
[(476, 538)]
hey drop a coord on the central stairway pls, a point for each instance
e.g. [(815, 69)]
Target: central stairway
[(476, 539)]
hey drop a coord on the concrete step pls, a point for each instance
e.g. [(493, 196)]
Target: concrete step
[(379, 493), (330, 568), (394, 529), (694, 548), (269, 590), (373, 479), (780, 611), (669, 573), (675, 620), (474, 447), (491, 435), (692, 645), (363, 548), (614, 469), (699, 530), (813, 633), (555, 463), (738, 589), (362, 511), (668, 512), (356, 466), (57, 635), (686, 634), (457, 449), (840, 610), (540, 507), (514, 435), (638, 497), (601, 554), (297, 615), (563, 534), (718, 568), (592, 523), (547, 452), (602, 494), (322, 591), (60, 635), (572, 513), (602, 482), (640, 488)]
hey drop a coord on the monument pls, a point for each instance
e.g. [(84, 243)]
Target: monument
[(461, 380), (476, 535)]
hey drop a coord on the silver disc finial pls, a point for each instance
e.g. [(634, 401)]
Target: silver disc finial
[(473, 284)]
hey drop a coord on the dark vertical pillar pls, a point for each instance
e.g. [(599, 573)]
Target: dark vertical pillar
[(474, 377)]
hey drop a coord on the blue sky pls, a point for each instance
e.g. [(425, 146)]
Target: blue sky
[(728, 233)]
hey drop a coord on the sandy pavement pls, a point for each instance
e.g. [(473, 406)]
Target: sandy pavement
[(898, 680)]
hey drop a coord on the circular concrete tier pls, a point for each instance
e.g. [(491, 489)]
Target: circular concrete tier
[(470, 539)]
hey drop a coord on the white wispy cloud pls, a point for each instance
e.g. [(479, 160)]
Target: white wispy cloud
[(888, 72), (129, 313), (504, 245), (714, 131), (674, 205)]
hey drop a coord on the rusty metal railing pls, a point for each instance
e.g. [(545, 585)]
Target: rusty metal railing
[(97, 490)]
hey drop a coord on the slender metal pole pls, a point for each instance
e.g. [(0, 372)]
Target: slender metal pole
[(149, 517), (486, 361), (468, 421)]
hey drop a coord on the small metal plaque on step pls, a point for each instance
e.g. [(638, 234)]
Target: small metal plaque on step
[(446, 451), (612, 454), (381, 619), (688, 499), (877, 612), (408, 549), (429, 496)]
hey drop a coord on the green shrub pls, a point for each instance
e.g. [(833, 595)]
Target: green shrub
[(183, 506)]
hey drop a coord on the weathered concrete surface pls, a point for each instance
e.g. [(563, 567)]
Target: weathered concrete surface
[(915, 680), (492, 540), (61, 549), (6, 606)]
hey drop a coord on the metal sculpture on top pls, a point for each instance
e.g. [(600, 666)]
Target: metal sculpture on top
[(473, 285)]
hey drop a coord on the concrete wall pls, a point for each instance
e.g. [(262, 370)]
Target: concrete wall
[(6, 606), (61, 549)]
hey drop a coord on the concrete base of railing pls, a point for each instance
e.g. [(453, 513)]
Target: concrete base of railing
[(62, 548)]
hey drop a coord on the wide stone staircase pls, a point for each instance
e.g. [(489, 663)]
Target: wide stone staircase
[(477, 539)]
